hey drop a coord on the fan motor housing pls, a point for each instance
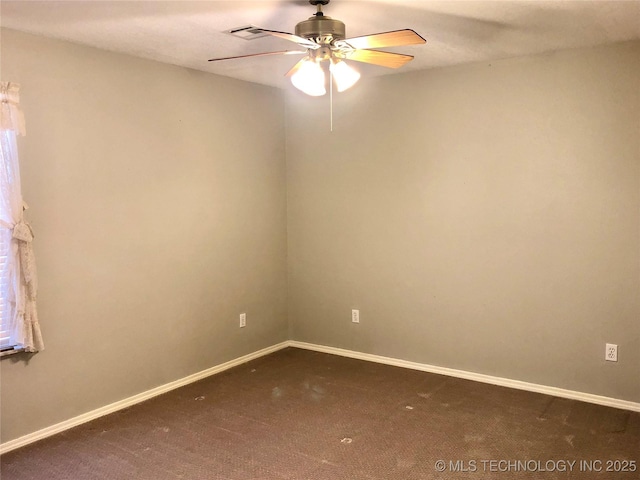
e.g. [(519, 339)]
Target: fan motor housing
[(322, 29)]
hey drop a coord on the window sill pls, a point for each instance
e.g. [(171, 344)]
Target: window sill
[(11, 351)]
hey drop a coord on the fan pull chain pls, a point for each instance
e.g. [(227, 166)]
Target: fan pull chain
[(331, 100)]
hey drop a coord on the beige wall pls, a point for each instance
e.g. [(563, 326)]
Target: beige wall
[(157, 197), (484, 218)]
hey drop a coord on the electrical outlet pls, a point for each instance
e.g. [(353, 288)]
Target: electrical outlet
[(611, 352), (355, 316), (243, 320)]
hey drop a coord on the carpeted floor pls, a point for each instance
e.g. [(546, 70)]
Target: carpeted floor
[(298, 414)]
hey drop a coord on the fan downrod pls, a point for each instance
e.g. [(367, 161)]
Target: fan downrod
[(319, 4)]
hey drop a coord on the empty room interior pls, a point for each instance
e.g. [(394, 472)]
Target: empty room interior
[(430, 273)]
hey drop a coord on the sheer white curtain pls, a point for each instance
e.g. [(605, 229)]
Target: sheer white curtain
[(22, 283)]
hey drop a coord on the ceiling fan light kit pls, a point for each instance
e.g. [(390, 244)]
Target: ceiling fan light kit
[(325, 40), (310, 79), (344, 75)]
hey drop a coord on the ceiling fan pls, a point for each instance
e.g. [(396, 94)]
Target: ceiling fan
[(325, 40)]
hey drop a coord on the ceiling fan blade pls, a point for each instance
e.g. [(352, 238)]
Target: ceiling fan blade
[(283, 52), (397, 38), (296, 67), (376, 57), (292, 38)]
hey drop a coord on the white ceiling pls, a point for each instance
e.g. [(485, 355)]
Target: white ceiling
[(187, 33)]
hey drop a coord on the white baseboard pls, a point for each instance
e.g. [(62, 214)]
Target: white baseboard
[(478, 377), (127, 402)]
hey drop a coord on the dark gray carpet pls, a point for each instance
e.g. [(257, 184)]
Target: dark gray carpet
[(298, 414)]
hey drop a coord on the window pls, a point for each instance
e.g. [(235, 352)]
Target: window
[(19, 326), (4, 284), (5, 245)]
